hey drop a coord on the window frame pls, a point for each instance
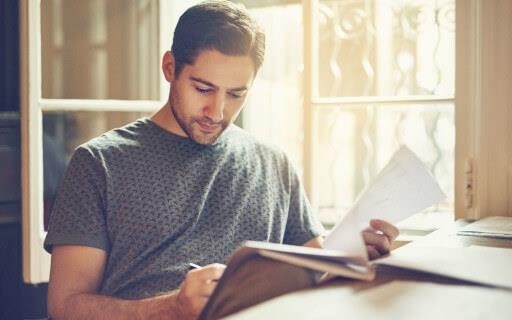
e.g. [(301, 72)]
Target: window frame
[(313, 102), (473, 132), (36, 261), (483, 151)]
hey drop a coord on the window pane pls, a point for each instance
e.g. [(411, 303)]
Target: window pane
[(100, 49), (354, 143), (375, 47), (274, 111), (63, 132)]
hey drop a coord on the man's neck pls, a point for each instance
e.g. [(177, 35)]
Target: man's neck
[(165, 119)]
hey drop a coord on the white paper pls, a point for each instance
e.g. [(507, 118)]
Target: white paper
[(403, 187), (346, 237), (486, 265), (497, 227)]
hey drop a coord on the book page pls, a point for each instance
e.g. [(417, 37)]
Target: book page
[(333, 268), (497, 227), (301, 251), (486, 265), (403, 187)]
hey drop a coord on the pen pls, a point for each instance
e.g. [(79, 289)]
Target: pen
[(193, 266)]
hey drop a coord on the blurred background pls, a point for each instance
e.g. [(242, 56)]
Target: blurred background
[(382, 75), (343, 85)]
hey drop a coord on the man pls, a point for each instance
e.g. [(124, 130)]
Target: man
[(139, 203)]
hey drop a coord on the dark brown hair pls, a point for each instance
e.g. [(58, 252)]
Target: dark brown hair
[(219, 25)]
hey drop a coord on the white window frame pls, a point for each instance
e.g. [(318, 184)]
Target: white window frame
[(36, 261), (313, 101), (475, 132)]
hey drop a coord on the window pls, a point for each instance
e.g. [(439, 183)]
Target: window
[(89, 66), (345, 83)]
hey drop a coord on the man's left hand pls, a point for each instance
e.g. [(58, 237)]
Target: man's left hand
[(379, 237)]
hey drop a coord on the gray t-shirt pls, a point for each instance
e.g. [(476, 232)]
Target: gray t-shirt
[(156, 201)]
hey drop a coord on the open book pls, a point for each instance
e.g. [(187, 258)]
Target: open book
[(329, 262), (403, 187)]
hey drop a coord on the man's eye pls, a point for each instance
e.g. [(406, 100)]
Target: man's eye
[(235, 95), (203, 90)]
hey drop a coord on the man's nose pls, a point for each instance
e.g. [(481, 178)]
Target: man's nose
[(215, 108)]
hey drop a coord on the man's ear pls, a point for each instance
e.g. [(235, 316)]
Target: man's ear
[(168, 66)]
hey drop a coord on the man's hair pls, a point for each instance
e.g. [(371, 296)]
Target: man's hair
[(220, 25)]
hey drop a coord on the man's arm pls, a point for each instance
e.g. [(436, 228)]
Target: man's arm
[(76, 275), (378, 238)]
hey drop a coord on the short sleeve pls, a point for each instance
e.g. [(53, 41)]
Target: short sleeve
[(78, 215), (302, 225)]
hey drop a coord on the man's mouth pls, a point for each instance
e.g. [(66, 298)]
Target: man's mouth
[(207, 126)]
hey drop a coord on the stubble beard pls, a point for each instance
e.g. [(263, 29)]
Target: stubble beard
[(187, 125)]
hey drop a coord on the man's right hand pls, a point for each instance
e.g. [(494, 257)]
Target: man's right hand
[(197, 288), (75, 279)]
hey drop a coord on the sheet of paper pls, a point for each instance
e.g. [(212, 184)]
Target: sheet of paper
[(346, 237), (403, 187), (486, 265), (497, 227)]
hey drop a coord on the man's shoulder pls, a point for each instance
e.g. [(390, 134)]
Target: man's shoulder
[(122, 138), (124, 135)]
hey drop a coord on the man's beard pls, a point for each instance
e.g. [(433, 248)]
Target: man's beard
[(187, 124)]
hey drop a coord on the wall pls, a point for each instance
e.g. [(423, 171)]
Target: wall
[(9, 79)]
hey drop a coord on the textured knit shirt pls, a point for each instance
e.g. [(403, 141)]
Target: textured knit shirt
[(155, 201)]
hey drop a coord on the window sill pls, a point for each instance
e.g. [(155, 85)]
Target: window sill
[(422, 224)]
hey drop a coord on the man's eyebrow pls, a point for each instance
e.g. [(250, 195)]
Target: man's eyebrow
[(208, 83)]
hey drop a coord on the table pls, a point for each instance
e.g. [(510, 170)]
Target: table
[(397, 293)]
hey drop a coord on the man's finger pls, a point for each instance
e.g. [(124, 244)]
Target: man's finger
[(387, 228), (372, 252), (209, 272), (207, 288), (380, 242)]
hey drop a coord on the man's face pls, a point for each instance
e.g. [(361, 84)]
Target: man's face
[(206, 97)]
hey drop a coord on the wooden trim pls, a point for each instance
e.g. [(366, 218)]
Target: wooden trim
[(25, 203), (483, 112), (495, 111), (432, 106), (99, 105), (36, 262), (388, 100), (310, 52), (467, 100)]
